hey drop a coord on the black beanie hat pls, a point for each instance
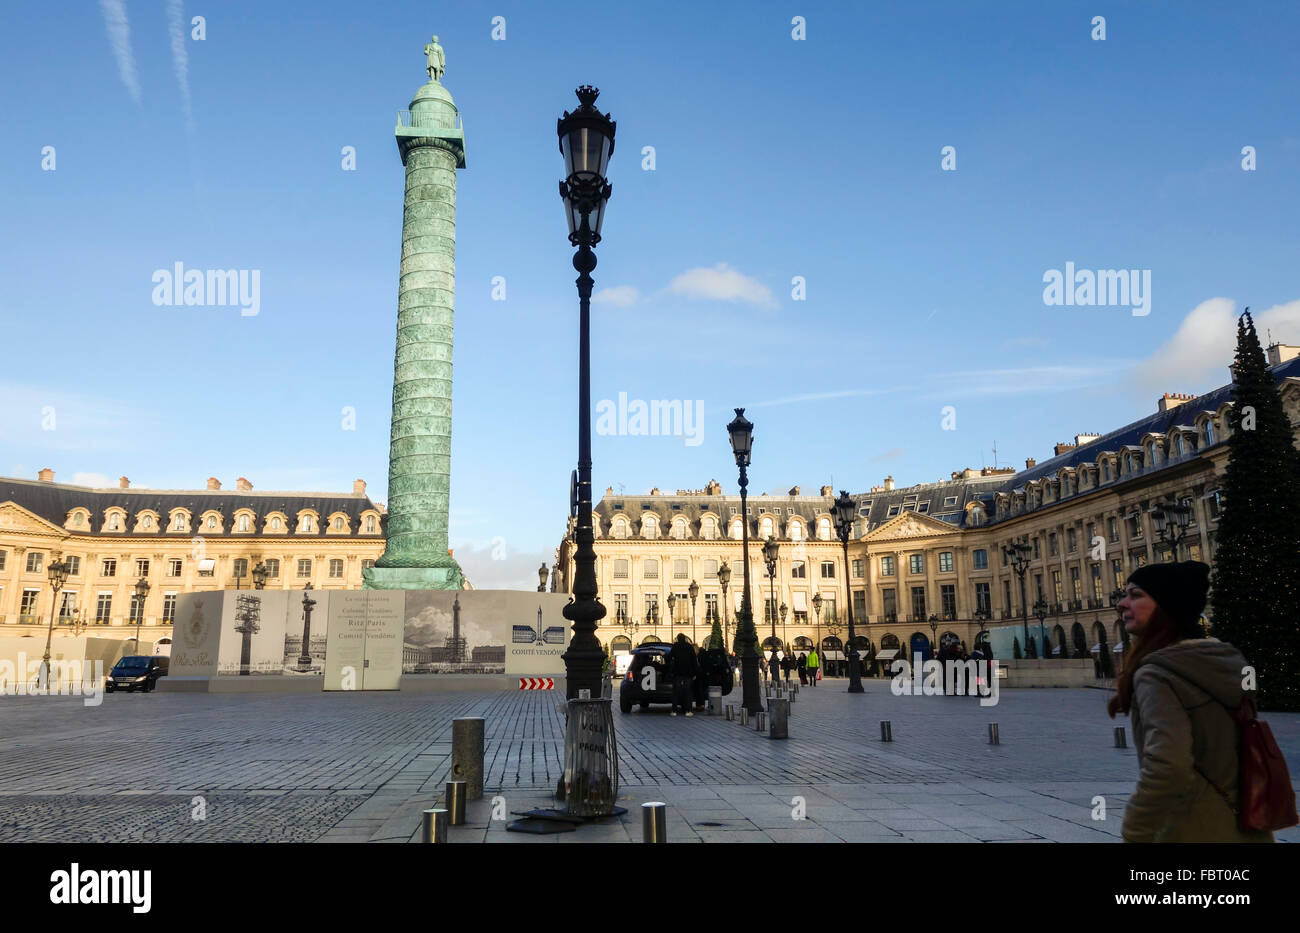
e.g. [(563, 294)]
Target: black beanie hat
[(1178, 588)]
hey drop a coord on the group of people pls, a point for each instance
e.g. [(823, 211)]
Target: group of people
[(808, 664), (695, 670)]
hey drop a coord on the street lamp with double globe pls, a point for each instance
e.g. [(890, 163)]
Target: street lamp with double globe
[(1017, 553), (845, 511), (770, 553), (58, 574), (724, 577)]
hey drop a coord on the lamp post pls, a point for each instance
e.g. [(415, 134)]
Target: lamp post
[(652, 619), (542, 573), (982, 618), (1018, 554), (833, 629), (141, 593), (1040, 612), (672, 613), (724, 577), (304, 653), (785, 636), (770, 553), (817, 608), (741, 432), (694, 591), (934, 635), (586, 139), (259, 576), (58, 574), (1171, 520), (844, 510)]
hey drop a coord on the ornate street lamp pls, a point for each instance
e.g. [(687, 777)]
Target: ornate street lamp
[(784, 634), (542, 574), (817, 608), (304, 653), (259, 576), (586, 142), (652, 619), (57, 572), (934, 635), (1017, 552), (1171, 521), (694, 591), (1040, 612), (672, 610), (844, 511), (741, 431), (982, 617), (724, 577), (770, 553), (141, 594)]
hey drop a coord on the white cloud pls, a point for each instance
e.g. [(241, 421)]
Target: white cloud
[(894, 453), (180, 56), (722, 283), (94, 480), (620, 296), (1196, 358), (119, 37)]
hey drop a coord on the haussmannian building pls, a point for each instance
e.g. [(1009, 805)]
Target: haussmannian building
[(925, 559), (180, 541)]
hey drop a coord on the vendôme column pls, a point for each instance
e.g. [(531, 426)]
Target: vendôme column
[(432, 146)]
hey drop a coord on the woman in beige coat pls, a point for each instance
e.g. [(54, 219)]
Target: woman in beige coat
[(1178, 686)]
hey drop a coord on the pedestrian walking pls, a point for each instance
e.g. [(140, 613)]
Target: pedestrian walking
[(787, 665), (1180, 689), (682, 665), (803, 668), (703, 674), (774, 665), (814, 665)]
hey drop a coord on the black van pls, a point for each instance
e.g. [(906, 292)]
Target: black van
[(136, 672)]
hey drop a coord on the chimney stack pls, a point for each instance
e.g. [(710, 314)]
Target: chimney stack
[(46, 475), (794, 491), (123, 483), (827, 491), (1171, 400), (1030, 463), (243, 485), (889, 484), (214, 483), (358, 487)]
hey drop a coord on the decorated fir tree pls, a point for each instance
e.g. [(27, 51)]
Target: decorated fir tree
[(1256, 581)]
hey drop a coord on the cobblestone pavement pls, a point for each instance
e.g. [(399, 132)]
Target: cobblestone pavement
[(361, 767)]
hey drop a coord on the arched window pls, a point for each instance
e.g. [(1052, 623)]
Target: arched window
[(737, 532), (977, 515), (620, 528), (1181, 445), (370, 524), (708, 528), (243, 523), (649, 527), (1209, 431), (1153, 453), (824, 529), (178, 522), (212, 521), (796, 531), (275, 523), (765, 528), (146, 522), (306, 523), (679, 529)]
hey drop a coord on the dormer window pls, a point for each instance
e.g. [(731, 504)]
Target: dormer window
[(1209, 432), (212, 521), (146, 522), (243, 523), (77, 519), (114, 522), (338, 523), (370, 524), (306, 523), (275, 523)]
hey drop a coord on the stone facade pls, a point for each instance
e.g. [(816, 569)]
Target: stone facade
[(181, 541), (935, 549)]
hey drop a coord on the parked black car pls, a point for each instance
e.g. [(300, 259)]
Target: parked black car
[(632, 689), (136, 672)]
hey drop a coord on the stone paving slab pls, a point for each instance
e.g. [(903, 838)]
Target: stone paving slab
[(361, 767)]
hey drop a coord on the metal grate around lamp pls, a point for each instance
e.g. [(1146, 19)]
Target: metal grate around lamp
[(590, 758)]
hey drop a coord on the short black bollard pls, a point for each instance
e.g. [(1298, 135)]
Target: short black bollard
[(654, 822), (993, 734), (1120, 741), (886, 731)]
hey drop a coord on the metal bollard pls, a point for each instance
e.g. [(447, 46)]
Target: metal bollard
[(744, 716), (654, 822), (715, 701), (779, 727), (1120, 741), (731, 713), (760, 722), (792, 695), (993, 734), (456, 793), (886, 731), (467, 755), (435, 825)]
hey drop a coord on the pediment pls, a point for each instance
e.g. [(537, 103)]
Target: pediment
[(910, 525), (15, 518)]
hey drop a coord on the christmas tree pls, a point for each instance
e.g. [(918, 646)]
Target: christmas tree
[(1256, 580)]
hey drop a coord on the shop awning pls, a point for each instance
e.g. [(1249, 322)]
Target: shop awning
[(831, 655), (886, 654)]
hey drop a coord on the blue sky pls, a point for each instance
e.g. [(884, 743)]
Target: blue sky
[(775, 158)]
